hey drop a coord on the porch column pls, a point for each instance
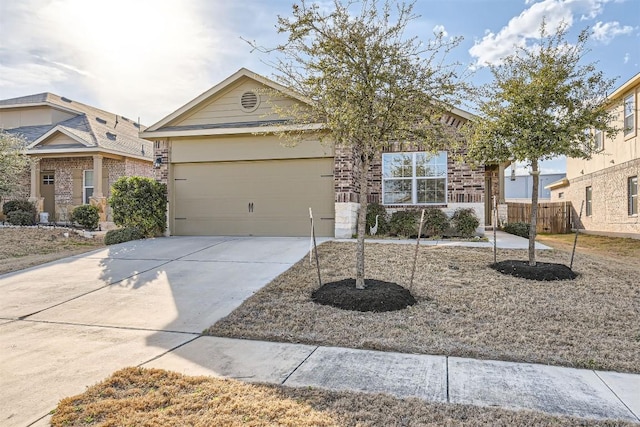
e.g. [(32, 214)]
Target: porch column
[(35, 179), (97, 176), (501, 169), (98, 198)]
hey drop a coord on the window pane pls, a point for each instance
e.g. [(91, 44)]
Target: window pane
[(88, 192), (629, 122), (633, 195), (588, 201), (431, 191), (397, 165), (428, 164), (397, 191), (88, 178), (598, 140)]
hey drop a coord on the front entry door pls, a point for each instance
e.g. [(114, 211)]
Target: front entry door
[(47, 191)]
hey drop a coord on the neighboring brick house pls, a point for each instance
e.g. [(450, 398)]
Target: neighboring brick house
[(607, 183), (77, 151), (228, 172)]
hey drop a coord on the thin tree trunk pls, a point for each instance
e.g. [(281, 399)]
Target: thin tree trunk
[(535, 173), (362, 222)]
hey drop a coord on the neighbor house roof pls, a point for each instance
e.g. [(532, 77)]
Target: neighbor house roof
[(94, 129)]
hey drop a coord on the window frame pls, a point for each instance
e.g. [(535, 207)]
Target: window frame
[(48, 178), (629, 131), (588, 201), (414, 178), (632, 196), (86, 198), (598, 138)]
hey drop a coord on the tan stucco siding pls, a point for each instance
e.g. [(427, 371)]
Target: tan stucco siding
[(34, 116), (623, 148), (249, 147), (226, 107)]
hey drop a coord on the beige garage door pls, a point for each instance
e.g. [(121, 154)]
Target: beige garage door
[(255, 198)]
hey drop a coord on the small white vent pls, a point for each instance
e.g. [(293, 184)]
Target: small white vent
[(249, 101)]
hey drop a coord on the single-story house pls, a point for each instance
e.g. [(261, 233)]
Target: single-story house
[(229, 173), (77, 151)]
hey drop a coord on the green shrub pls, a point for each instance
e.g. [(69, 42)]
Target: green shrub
[(122, 235), (465, 222), (140, 203), (19, 205), (517, 228), (404, 223), (374, 209), (436, 222), (86, 216), (21, 218)]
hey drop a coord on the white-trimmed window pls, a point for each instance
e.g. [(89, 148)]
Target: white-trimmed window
[(417, 178), (598, 140), (47, 179), (587, 197), (632, 191), (87, 186), (629, 114)]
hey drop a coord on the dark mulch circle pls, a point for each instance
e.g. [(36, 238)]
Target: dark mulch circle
[(544, 271), (378, 296)]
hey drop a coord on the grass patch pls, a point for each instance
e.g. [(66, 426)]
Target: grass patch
[(24, 247), (153, 397), (607, 247), (464, 308)]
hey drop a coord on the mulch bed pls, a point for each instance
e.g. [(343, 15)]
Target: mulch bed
[(377, 296), (545, 271)]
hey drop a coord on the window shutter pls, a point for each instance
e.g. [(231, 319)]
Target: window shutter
[(77, 187)]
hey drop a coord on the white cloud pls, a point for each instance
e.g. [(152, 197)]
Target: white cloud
[(626, 58), (440, 29), (605, 32), (524, 28)]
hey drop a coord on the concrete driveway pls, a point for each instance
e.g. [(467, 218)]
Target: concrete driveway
[(69, 324)]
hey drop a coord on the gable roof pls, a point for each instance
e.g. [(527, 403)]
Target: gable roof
[(164, 128), (94, 129), (220, 87)]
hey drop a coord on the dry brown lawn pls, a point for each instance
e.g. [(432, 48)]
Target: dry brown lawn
[(24, 247), (153, 397), (464, 308)]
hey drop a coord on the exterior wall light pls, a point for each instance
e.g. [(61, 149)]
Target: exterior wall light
[(158, 162)]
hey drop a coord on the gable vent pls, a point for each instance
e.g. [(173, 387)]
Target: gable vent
[(249, 101), (101, 120), (65, 99)]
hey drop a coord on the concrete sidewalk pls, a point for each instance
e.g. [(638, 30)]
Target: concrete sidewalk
[(551, 389), (69, 324)]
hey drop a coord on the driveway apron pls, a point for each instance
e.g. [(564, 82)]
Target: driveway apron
[(69, 324)]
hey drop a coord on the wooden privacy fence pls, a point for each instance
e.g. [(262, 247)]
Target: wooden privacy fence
[(553, 218)]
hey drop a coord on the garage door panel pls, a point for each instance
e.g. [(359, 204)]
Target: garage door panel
[(215, 198)]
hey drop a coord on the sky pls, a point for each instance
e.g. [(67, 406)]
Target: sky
[(146, 58)]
